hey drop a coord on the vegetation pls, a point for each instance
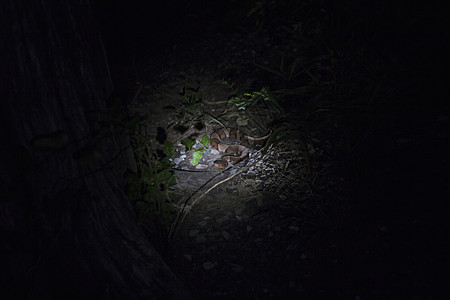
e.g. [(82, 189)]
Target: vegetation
[(330, 93), (149, 187), (326, 82)]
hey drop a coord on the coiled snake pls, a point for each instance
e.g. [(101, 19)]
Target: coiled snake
[(220, 140)]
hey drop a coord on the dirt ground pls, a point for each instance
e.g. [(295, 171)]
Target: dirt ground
[(248, 229), (271, 226)]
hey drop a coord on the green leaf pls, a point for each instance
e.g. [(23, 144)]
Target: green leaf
[(146, 175), (205, 140), (196, 156), (163, 176), (168, 149), (291, 70), (162, 164), (188, 143), (172, 180)]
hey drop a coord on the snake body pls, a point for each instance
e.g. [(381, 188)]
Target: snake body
[(233, 152)]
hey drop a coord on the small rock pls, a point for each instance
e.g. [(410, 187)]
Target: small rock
[(232, 191), (251, 174), (188, 257), (249, 228), (260, 186), (177, 160)]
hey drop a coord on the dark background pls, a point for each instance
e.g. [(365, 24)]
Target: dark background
[(412, 38)]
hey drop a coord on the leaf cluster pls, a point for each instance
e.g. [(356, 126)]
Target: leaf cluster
[(197, 154), (148, 188)]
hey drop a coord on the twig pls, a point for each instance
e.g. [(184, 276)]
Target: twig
[(174, 226), (219, 183), (182, 215)]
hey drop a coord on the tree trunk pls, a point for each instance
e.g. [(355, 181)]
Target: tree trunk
[(67, 231)]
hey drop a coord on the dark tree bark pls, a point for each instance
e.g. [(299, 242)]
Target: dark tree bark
[(67, 231)]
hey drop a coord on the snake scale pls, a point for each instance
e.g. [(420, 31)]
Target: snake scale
[(233, 152)]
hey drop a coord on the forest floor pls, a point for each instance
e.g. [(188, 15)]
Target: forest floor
[(255, 234), (282, 223)]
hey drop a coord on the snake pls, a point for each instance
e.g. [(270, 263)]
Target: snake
[(220, 140)]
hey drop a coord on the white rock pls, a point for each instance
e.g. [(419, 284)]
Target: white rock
[(201, 166)]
